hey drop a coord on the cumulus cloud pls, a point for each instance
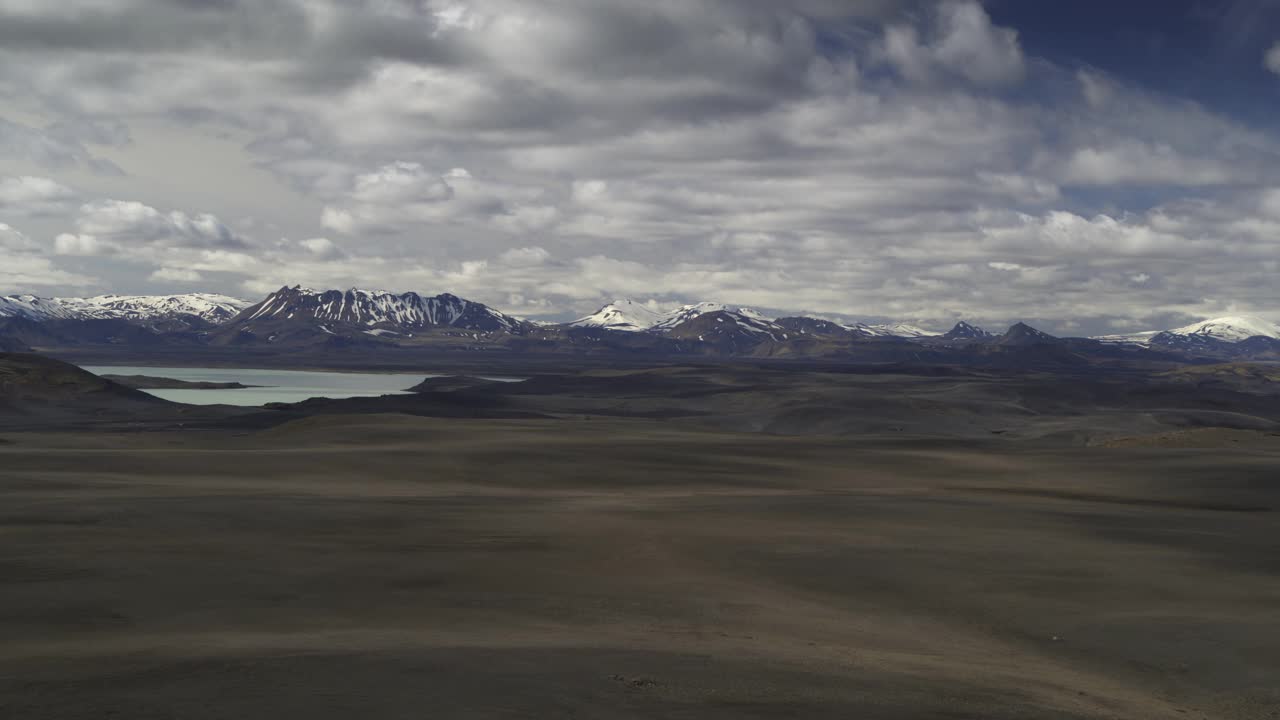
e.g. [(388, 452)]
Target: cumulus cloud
[(176, 275), (1272, 59), (123, 226), (961, 40), (321, 248), (403, 194), (28, 195), (71, 244), (23, 265)]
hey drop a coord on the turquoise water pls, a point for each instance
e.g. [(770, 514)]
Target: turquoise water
[(287, 386)]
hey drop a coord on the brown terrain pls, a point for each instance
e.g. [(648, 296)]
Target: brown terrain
[(727, 542)]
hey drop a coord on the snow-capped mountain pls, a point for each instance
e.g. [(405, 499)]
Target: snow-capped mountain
[(1233, 329), (631, 316), (685, 313), (211, 308), (36, 308), (624, 315), (373, 311), (728, 332)]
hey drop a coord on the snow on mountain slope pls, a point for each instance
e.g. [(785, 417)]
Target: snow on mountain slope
[(728, 331), (686, 313), (212, 308), (965, 331), (631, 316), (1231, 329), (376, 308), (898, 330), (36, 308), (625, 315), (1142, 338)]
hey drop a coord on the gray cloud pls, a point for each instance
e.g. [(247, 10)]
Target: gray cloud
[(28, 195), (50, 148), (959, 40), (23, 265)]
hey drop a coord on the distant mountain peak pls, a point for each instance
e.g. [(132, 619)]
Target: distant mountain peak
[(371, 310), (1023, 334), (728, 329), (208, 307), (1230, 330), (628, 315), (624, 314), (965, 331)]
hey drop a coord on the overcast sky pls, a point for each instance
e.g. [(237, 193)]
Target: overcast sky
[(1112, 166)]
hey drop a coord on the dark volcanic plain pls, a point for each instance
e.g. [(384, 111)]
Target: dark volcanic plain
[(727, 541)]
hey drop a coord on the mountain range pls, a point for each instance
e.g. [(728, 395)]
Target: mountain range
[(210, 308), (302, 318), (631, 316), (1207, 334)]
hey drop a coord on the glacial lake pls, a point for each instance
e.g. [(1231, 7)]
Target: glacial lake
[(285, 386)]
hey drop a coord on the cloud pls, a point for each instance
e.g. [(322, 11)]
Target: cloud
[(872, 158), (525, 256), (27, 195), (960, 41), (70, 244), (50, 149), (321, 247), (13, 240), (1132, 162), (1271, 60), (24, 267), (176, 275), (401, 195), (124, 226)]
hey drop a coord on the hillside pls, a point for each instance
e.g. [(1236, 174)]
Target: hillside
[(40, 386)]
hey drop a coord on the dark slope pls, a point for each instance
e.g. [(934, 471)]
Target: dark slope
[(964, 331), (1022, 335), (32, 384), (952, 402), (727, 333), (37, 392), (815, 327)]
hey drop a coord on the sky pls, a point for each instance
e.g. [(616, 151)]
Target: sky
[(1089, 167)]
